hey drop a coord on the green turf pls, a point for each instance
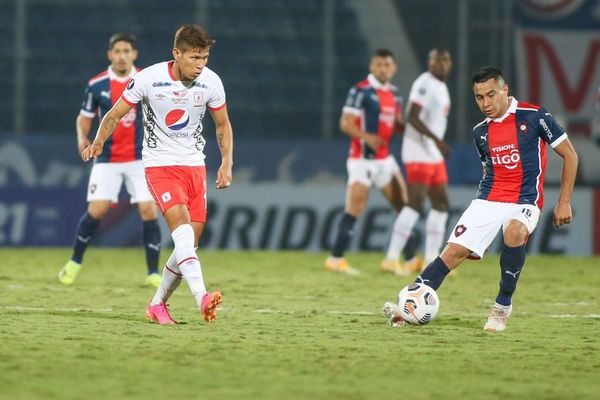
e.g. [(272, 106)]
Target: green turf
[(290, 330)]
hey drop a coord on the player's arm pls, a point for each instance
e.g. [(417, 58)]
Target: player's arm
[(107, 126), (414, 109), (562, 212), (83, 126), (349, 126), (224, 133)]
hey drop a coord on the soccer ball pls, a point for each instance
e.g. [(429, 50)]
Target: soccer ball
[(418, 304)]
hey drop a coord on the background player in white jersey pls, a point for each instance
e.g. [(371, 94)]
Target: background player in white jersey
[(370, 117), (119, 163), (175, 96), (423, 152)]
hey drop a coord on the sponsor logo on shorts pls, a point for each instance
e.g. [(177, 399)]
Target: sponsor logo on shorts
[(93, 188), (459, 230), (166, 196)]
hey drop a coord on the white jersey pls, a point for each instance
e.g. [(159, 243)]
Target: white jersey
[(173, 113), (432, 95)]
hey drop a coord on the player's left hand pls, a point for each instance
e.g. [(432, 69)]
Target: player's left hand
[(562, 214), (92, 151), (224, 176)]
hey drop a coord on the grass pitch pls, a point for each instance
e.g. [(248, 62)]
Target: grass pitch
[(289, 329)]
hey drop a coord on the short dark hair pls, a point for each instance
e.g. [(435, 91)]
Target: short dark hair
[(383, 53), (121, 37), (438, 49), (192, 37), (486, 73)]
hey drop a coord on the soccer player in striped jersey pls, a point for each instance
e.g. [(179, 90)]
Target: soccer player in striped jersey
[(511, 143), (370, 117), (120, 161)]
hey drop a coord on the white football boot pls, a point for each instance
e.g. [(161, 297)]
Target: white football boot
[(392, 313), (498, 318)]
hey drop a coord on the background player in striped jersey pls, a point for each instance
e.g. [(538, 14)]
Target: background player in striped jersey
[(175, 95), (511, 143), (371, 115), (119, 163), (423, 152)]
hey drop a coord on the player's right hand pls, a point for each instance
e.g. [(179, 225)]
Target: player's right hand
[(82, 144), (92, 151), (443, 147)]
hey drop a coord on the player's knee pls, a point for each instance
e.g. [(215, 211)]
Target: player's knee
[(454, 254), (147, 211), (515, 234), (98, 210)]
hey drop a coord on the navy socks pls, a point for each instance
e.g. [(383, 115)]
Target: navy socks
[(85, 232), (152, 241), (344, 235), (434, 274), (512, 260)]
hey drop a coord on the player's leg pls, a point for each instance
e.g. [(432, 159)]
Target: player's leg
[(103, 188), (435, 224), (395, 191), (135, 182), (357, 195), (406, 220), (151, 238), (521, 221), (473, 233)]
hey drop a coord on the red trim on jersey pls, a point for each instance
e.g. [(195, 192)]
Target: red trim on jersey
[(363, 84), (218, 108), (128, 102), (522, 104), (100, 76), (507, 183), (170, 69), (596, 221)]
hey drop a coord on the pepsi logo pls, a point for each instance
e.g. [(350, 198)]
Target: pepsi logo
[(177, 119)]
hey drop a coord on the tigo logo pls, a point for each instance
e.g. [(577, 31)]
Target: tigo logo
[(177, 119)]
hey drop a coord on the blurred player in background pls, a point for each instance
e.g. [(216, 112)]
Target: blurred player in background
[(511, 143), (174, 96), (119, 163), (423, 152), (371, 116)]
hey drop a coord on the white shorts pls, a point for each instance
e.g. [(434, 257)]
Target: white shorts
[(106, 180), (372, 172), (482, 220)]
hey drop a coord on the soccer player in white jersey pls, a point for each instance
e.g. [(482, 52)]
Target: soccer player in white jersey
[(174, 96), (423, 152), (120, 161)]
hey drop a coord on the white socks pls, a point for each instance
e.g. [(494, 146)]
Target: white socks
[(403, 226), (171, 278), (435, 230), (182, 263)]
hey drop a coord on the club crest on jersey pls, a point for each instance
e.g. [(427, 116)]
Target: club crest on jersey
[(166, 196), (459, 230), (177, 119), (523, 128)]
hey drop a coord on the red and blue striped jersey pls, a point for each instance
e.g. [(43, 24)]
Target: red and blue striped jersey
[(102, 91), (512, 149), (376, 106)]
